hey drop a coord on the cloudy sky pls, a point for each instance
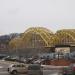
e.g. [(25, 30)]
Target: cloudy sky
[(18, 15)]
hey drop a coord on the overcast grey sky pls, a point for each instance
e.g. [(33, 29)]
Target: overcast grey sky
[(18, 15)]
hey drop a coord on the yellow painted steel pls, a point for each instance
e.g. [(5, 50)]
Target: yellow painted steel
[(44, 37), (45, 34), (49, 39), (70, 33)]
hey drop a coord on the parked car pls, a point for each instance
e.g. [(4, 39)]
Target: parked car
[(35, 69), (9, 58), (69, 70), (17, 68)]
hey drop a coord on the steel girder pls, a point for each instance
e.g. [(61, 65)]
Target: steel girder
[(48, 37), (64, 33)]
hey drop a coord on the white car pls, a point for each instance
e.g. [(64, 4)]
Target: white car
[(17, 68)]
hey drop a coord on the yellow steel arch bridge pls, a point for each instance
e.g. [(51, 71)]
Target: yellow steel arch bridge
[(37, 37), (66, 36), (42, 35)]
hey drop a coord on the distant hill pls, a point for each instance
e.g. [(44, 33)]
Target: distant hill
[(5, 39)]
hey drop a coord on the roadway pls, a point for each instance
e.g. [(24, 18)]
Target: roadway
[(4, 65)]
